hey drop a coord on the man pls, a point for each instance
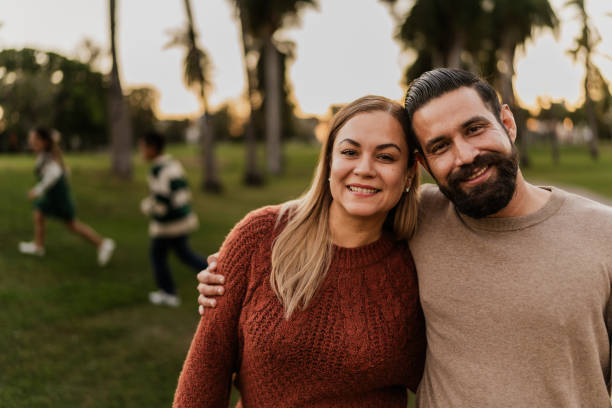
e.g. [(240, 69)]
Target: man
[(514, 279)]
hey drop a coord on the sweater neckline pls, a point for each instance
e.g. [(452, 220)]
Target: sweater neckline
[(348, 258), (500, 224)]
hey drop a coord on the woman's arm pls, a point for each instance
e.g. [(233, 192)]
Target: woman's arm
[(205, 380)]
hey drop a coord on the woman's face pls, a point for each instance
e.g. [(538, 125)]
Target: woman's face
[(369, 166), (36, 144)]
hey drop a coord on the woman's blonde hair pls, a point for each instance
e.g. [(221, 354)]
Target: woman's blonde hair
[(302, 252)]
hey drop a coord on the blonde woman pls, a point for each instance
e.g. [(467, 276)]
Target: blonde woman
[(321, 306)]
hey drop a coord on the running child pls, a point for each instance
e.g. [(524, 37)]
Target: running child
[(168, 205), (52, 198)]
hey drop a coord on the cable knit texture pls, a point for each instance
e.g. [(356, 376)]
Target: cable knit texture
[(359, 343)]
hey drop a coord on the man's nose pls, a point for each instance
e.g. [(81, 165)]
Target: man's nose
[(465, 152)]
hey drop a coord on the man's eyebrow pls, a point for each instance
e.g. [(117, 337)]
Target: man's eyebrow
[(473, 120)]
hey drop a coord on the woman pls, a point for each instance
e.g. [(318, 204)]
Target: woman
[(322, 304), (52, 198)]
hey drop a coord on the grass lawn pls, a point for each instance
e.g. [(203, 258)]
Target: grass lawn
[(76, 335)]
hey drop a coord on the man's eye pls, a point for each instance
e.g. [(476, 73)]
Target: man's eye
[(439, 147), (474, 129)]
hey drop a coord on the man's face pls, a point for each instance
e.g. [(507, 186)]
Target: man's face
[(468, 152)]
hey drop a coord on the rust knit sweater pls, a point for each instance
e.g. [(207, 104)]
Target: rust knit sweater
[(359, 343)]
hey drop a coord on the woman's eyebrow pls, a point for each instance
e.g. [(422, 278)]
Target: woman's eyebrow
[(351, 141), (387, 145)]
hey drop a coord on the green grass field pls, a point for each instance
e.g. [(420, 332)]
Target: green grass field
[(76, 335)]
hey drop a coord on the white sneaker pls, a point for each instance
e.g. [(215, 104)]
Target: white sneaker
[(105, 251), (31, 248), (161, 298)]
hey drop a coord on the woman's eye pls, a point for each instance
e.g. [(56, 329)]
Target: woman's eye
[(386, 157), (348, 152)]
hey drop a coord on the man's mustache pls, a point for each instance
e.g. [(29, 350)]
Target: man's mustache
[(465, 171)]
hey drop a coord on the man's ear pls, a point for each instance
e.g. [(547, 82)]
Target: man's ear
[(508, 121), (421, 159)]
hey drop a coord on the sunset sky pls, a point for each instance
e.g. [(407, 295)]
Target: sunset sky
[(345, 48)]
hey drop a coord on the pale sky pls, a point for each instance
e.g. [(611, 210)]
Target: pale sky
[(344, 49)]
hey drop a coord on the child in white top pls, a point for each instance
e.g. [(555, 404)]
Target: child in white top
[(52, 198)]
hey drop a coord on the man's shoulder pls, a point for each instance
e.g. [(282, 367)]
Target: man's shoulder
[(579, 205), (430, 197)]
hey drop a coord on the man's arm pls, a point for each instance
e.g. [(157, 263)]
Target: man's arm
[(210, 284)]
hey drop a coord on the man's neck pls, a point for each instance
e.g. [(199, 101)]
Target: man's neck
[(526, 199)]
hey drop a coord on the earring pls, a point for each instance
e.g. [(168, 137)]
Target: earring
[(408, 189), (329, 179)]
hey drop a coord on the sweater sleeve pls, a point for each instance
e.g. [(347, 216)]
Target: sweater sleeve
[(213, 356), (51, 172)]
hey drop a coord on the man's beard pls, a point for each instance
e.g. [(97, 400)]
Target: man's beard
[(488, 197)]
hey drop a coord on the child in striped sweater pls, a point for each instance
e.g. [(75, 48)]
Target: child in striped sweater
[(168, 205), (52, 198)]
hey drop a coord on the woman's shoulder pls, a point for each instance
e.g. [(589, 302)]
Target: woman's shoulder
[(260, 218), (257, 224), (252, 234)]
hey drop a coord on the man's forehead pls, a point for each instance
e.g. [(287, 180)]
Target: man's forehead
[(449, 110)]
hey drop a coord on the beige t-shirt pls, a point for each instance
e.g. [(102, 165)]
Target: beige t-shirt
[(517, 310)]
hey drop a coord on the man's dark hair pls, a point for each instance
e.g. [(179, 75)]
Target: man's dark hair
[(437, 82), (154, 139)]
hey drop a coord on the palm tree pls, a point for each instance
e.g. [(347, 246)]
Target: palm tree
[(584, 49), (252, 174), (259, 21), (196, 67), (439, 31), (473, 34), (510, 24), (120, 126)]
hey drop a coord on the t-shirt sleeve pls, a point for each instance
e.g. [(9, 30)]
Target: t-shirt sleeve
[(213, 356)]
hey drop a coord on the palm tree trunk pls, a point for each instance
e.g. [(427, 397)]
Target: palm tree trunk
[(437, 59), (209, 162), (210, 176), (252, 175), (453, 58), (590, 110), (273, 107), (120, 125), (507, 52), (554, 140)]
